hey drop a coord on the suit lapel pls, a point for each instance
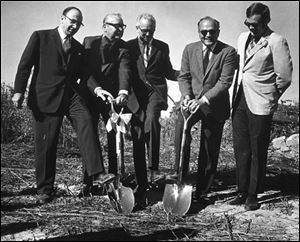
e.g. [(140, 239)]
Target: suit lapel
[(153, 52), (199, 58)]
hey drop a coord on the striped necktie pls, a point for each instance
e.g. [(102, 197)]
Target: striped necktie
[(249, 48)]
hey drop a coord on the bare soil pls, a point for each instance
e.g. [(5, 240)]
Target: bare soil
[(92, 218)]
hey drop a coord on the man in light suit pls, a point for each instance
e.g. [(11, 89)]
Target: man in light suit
[(151, 66), (57, 59), (265, 72), (207, 69), (108, 74)]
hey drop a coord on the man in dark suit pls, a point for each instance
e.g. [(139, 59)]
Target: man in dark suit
[(57, 59), (207, 70), (151, 66), (108, 74)]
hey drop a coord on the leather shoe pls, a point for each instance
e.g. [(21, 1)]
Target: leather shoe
[(251, 203), (172, 176), (203, 200), (140, 196), (45, 198), (239, 199), (103, 178)]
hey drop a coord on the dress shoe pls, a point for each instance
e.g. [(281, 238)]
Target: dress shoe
[(203, 200), (251, 203), (45, 198), (103, 178), (172, 176), (239, 199), (140, 196)]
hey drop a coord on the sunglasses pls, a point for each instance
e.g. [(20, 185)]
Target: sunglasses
[(211, 32), (254, 25), (117, 26)]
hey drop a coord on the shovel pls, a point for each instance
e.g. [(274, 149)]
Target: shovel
[(177, 196), (120, 196)]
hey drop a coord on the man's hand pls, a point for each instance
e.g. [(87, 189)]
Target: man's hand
[(195, 104), (18, 99), (122, 99), (103, 94), (186, 101)]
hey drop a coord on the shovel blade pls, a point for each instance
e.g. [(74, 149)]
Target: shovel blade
[(170, 197), (126, 199), (183, 201)]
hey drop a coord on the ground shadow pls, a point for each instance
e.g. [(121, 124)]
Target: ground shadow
[(119, 234), (17, 227)]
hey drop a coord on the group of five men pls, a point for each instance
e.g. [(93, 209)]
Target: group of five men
[(134, 74)]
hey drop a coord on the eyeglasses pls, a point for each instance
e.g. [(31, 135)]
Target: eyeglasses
[(211, 31), (254, 25), (145, 31), (118, 26), (73, 21)]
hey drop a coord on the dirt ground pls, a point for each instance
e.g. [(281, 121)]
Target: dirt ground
[(92, 218)]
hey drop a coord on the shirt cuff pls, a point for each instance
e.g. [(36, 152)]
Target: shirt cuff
[(96, 89), (123, 91), (205, 100)]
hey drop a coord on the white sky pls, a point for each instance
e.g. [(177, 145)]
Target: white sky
[(176, 25)]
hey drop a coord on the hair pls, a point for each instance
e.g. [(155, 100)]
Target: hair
[(259, 9), (68, 9), (147, 16), (118, 15), (217, 23)]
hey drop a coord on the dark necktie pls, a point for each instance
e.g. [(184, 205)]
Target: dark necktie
[(249, 48), (67, 45), (206, 59), (146, 54)]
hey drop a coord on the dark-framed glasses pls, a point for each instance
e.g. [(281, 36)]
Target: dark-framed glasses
[(118, 26), (211, 32), (145, 31), (74, 21), (254, 25)]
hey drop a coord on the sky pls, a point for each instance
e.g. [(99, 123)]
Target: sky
[(176, 24)]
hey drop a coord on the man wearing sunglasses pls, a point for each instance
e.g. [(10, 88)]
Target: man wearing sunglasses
[(265, 72), (207, 70), (151, 66), (108, 74), (57, 60)]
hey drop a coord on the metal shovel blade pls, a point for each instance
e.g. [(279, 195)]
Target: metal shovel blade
[(126, 199), (183, 201), (121, 199), (170, 197)]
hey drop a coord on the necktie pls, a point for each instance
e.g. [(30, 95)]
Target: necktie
[(206, 59), (67, 45), (146, 54), (249, 48)]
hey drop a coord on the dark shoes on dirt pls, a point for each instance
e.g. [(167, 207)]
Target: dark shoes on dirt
[(250, 201), (102, 179), (45, 198)]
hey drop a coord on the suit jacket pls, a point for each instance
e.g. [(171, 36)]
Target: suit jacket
[(52, 73), (214, 83), (265, 74), (108, 66), (158, 69)]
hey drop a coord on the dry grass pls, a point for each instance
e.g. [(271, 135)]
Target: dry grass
[(92, 218)]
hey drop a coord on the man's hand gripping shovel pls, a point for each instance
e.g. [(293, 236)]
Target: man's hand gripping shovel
[(177, 196), (121, 197)]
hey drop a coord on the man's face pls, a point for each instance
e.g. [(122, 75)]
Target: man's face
[(146, 30), (114, 27), (255, 25), (208, 32), (71, 22)]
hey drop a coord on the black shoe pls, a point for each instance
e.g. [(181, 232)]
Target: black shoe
[(251, 203), (45, 198), (102, 179), (155, 176), (239, 199), (203, 200), (140, 196)]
